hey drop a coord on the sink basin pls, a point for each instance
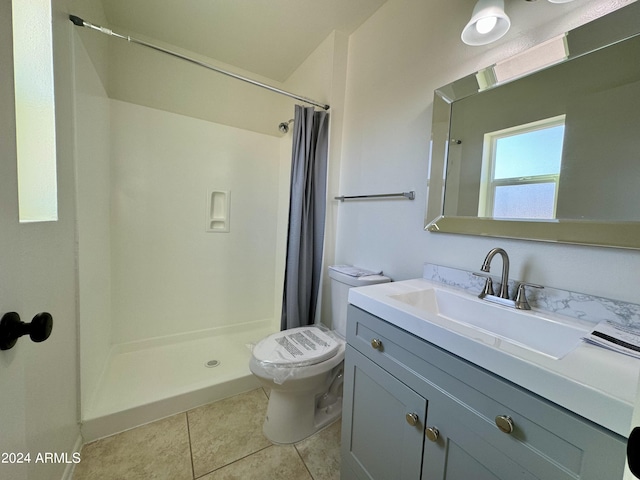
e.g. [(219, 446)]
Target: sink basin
[(548, 334)]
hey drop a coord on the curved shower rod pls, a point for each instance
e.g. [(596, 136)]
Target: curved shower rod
[(83, 23)]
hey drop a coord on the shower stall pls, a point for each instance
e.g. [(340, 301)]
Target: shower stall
[(182, 225)]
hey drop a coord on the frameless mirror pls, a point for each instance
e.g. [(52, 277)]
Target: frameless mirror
[(551, 154)]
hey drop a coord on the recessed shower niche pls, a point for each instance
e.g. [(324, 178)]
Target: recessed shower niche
[(218, 209)]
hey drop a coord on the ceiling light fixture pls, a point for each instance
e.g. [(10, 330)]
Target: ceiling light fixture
[(488, 23)]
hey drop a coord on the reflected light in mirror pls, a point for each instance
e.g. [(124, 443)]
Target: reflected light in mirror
[(543, 55)]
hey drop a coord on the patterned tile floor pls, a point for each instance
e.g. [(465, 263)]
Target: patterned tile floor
[(219, 441)]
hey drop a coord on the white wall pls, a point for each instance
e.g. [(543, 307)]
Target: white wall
[(146, 77), (96, 45), (396, 60), (169, 276), (93, 150)]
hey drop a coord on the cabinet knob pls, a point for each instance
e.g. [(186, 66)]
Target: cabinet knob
[(432, 433), (412, 419), (376, 343), (505, 423)]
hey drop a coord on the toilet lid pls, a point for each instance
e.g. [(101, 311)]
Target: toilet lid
[(296, 347)]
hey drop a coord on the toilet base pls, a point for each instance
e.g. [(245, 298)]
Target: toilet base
[(306, 401), (292, 417)]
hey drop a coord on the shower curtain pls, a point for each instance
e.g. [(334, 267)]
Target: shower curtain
[(307, 204)]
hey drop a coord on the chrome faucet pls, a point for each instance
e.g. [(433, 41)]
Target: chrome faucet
[(520, 301), (504, 283)]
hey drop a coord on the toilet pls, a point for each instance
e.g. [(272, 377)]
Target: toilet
[(303, 367)]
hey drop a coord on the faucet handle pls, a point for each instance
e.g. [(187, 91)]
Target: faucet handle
[(488, 285), (521, 302)]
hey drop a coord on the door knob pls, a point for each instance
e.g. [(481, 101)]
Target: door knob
[(12, 328), (376, 343), (633, 452)]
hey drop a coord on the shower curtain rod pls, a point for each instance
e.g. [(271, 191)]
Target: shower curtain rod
[(83, 23)]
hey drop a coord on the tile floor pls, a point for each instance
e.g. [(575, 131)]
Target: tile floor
[(219, 441)]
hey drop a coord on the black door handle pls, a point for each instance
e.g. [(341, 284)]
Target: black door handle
[(633, 452), (12, 328)]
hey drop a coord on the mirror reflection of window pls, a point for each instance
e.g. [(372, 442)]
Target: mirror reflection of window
[(521, 171)]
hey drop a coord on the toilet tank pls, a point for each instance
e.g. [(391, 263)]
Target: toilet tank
[(340, 285)]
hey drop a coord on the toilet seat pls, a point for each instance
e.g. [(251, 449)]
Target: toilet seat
[(296, 347)]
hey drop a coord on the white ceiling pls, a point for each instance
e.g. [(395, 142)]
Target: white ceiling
[(268, 37)]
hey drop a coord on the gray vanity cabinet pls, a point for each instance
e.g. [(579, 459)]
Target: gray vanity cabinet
[(383, 444), (414, 411)]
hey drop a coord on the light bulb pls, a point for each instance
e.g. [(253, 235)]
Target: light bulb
[(486, 24)]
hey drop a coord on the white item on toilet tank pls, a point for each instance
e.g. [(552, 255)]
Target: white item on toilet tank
[(340, 285)]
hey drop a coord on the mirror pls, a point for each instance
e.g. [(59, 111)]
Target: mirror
[(551, 154)]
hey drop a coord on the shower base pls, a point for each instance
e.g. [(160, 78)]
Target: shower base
[(151, 379)]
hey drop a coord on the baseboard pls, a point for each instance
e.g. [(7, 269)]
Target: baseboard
[(68, 471)]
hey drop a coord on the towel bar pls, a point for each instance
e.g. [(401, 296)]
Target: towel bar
[(410, 195)]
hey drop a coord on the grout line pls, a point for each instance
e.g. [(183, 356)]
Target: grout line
[(295, 446), (236, 460), (193, 471), (265, 393)]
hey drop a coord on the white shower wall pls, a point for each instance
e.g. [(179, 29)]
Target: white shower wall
[(146, 266), (169, 275), (93, 148)]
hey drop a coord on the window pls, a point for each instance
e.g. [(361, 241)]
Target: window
[(521, 170), (35, 111)]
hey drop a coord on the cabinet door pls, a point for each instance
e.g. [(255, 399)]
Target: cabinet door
[(458, 453), (377, 440)]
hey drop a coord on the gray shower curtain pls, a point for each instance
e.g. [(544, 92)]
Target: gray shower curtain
[(306, 217)]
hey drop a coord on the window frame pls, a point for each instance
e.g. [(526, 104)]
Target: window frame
[(488, 182)]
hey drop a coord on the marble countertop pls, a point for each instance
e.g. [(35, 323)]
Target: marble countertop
[(593, 382)]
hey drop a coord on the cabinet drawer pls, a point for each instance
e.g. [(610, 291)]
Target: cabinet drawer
[(547, 440), (380, 342), (537, 450)]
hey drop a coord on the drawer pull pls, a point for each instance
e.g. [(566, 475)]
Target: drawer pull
[(412, 419), (432, 433), (376, 343), (504, 423)]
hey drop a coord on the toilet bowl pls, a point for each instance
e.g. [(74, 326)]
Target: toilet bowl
[(303, 368), (305, 391)]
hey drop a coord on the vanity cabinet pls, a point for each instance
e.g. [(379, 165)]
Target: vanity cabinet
[(414, 411)]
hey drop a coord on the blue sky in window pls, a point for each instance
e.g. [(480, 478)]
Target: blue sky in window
[(537, 152)]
